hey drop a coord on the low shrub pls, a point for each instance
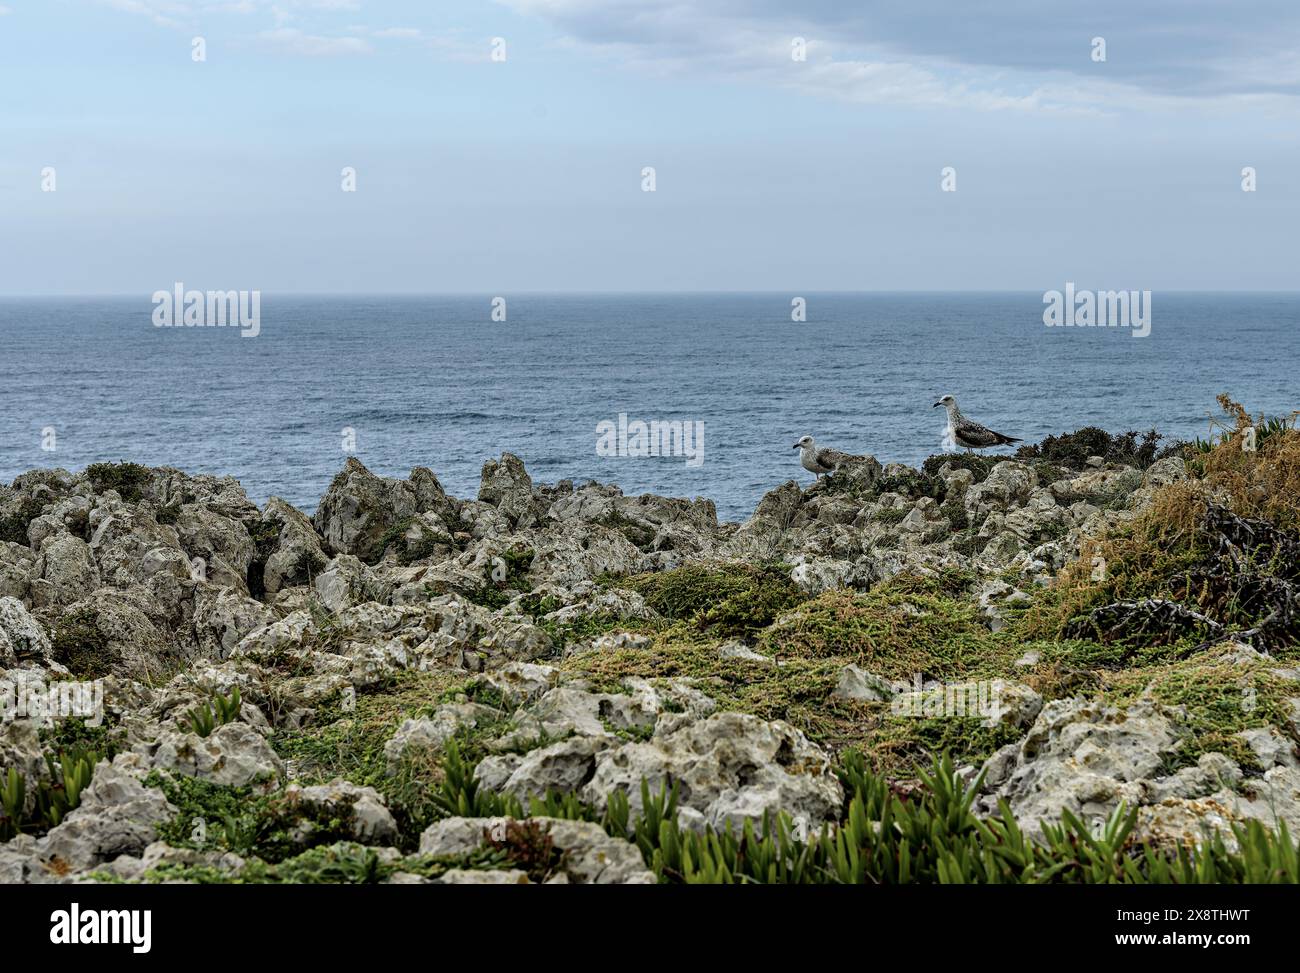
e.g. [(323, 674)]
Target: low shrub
[(731, 600), (128, 479), (1073, 449)]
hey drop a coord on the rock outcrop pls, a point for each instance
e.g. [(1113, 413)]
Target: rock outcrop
[(299, 674)]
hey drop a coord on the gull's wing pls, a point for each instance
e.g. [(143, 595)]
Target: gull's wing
[(832, 458), (975, 434)]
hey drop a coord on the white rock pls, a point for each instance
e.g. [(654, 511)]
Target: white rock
[(1270, 747), (730, 767), (858, 684), (591, 855), (233, 754), (363, 808)]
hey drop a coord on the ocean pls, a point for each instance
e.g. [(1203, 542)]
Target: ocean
[(436, 382)]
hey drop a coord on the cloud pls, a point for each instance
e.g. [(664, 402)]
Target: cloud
[(290, 40), (409, 33), (177, 13), (448, 45), (157, 12), (1015, 54), (291, 28)]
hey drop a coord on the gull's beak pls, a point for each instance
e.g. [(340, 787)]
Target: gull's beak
[(936, 405), (795, 446)]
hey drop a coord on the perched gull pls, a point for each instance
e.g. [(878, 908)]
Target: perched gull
[(820, 459), (970, 434)]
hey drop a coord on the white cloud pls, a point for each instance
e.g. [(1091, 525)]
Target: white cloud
[(448, 45), (293, 30), (175, 13), (154, 11), (291, 40)]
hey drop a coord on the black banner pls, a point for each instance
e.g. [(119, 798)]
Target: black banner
[(140, 923)]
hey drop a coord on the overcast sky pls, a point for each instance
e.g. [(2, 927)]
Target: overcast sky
[(475, 175)]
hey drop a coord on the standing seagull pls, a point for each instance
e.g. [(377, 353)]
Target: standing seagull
[(820, 459), (970, 434)]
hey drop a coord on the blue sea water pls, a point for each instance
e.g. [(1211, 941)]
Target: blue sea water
[(433, 381)]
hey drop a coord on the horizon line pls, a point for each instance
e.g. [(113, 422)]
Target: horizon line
[(627, 293)]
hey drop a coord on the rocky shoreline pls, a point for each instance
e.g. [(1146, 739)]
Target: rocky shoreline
[(360, 692)]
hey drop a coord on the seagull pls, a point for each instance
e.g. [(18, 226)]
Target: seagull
[(820, 459), (970, 434)]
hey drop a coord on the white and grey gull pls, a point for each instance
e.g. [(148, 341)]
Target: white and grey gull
[(967, 432), (820, 459)]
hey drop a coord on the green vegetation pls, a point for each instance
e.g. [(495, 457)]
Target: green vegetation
[(904, 626), (1148, 613), (576, 628), (978, 465), (1230, 431), (1210, 559), (903, 744), (798, 691), (13, 801), (895, 515), (928, 834), (80, 645), (1072, 450), (968, 542), (734, 600), (266, 537), (74, 734), (343, 862), (245, 820), (1217, 699), (128, 479), (500, 588), (640, 535), (407, 551), (350, 744), (219, 711), (925, 833), (70, 771), (13, 525), (912, 484)]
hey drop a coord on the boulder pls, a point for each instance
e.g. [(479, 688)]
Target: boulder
[(360, 510), (730, 767), (117, 816), (111, 633), (223, 617), (590, 855), (292, 553), (429, 734), (505, 485), (1084, 756), (64, 571), (363, 810), (861, 686), (233, 754), (22, 639)]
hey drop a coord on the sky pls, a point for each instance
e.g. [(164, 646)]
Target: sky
[(477, 174)]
